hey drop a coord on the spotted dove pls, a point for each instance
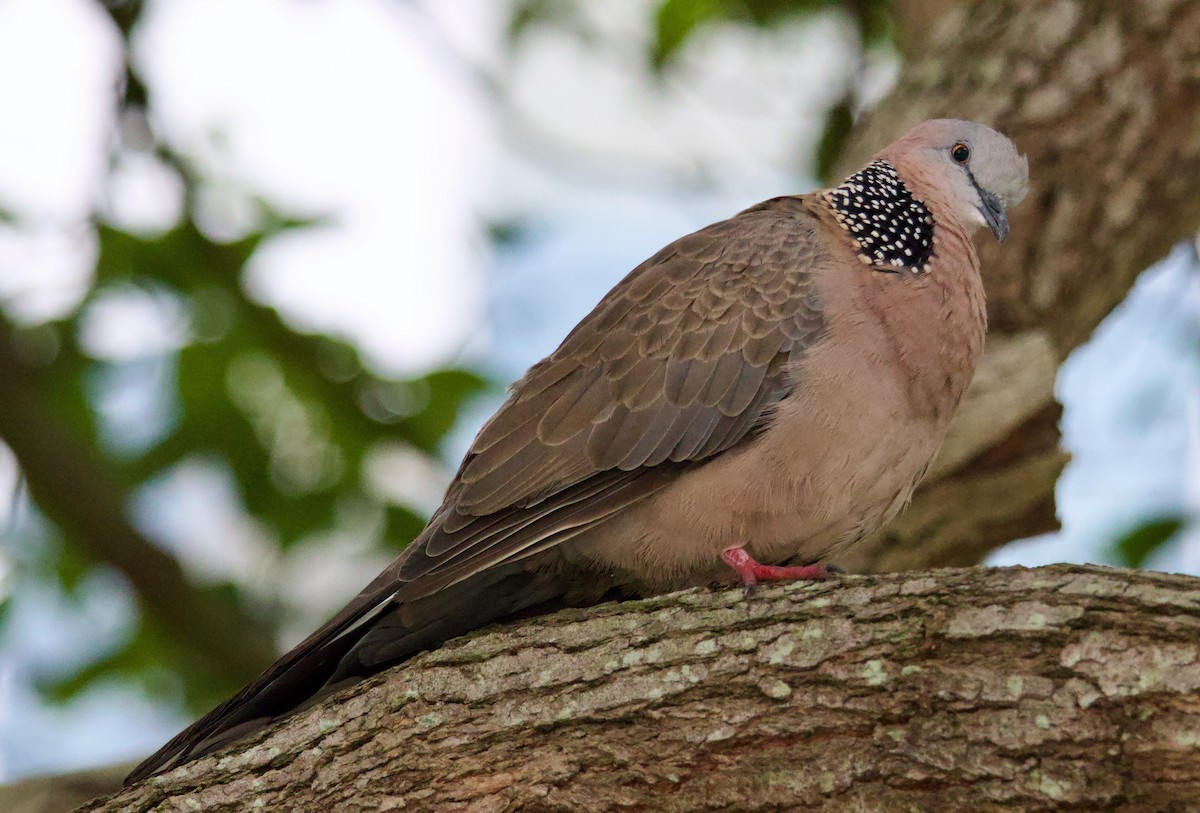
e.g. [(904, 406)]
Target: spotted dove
[(769, 389)]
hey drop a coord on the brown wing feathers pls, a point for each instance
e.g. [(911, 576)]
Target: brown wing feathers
[(679, 362)]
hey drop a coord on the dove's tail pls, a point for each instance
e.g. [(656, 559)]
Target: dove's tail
[(364, 638)]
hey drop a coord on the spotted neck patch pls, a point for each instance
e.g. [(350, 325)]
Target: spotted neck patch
[(893, 230)]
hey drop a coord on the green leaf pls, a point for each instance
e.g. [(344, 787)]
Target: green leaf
[(402, 526), (875, 22), (675, 22), (507, 232), (839, 121), (529, 13), (1137, 545)]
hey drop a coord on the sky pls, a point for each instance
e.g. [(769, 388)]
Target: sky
[(406, 127)]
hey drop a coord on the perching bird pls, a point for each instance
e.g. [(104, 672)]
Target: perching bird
[(768, 389)]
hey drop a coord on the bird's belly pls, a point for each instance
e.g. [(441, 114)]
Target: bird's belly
[(834, 465), (808, 508)]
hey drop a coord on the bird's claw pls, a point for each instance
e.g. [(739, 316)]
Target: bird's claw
[(752, 572)]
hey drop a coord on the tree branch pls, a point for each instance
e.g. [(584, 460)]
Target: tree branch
[(82, 494), (1006, 689)]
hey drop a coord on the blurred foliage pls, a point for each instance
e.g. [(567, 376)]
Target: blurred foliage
[(293, 415), (1136, 546), (676, 22), (292, 418), (839, 121)]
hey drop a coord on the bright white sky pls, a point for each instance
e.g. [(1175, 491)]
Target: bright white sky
[(378, 113), (324, 108)]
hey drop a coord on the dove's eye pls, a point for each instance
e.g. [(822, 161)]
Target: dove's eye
[(961, 153)]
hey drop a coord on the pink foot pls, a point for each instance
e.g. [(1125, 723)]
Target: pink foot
[(751, 572)]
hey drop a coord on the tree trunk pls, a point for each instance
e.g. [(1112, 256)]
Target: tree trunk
[(1105, 100), (1062, 687)]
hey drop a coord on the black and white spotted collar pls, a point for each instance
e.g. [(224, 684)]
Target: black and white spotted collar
[(893, 230)]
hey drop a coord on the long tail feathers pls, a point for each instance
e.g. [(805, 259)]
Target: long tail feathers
[(365, 638)]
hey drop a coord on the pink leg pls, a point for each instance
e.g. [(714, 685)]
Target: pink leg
[(751, 572)]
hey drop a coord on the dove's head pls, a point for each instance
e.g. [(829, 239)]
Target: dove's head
[(974, 171)]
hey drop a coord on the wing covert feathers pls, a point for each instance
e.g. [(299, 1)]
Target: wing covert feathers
[(680, 361)]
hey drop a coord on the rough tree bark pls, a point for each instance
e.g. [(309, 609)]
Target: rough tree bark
[(1059, 688), (1105, 100)]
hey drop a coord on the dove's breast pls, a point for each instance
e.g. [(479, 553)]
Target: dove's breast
[(841, 455)]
